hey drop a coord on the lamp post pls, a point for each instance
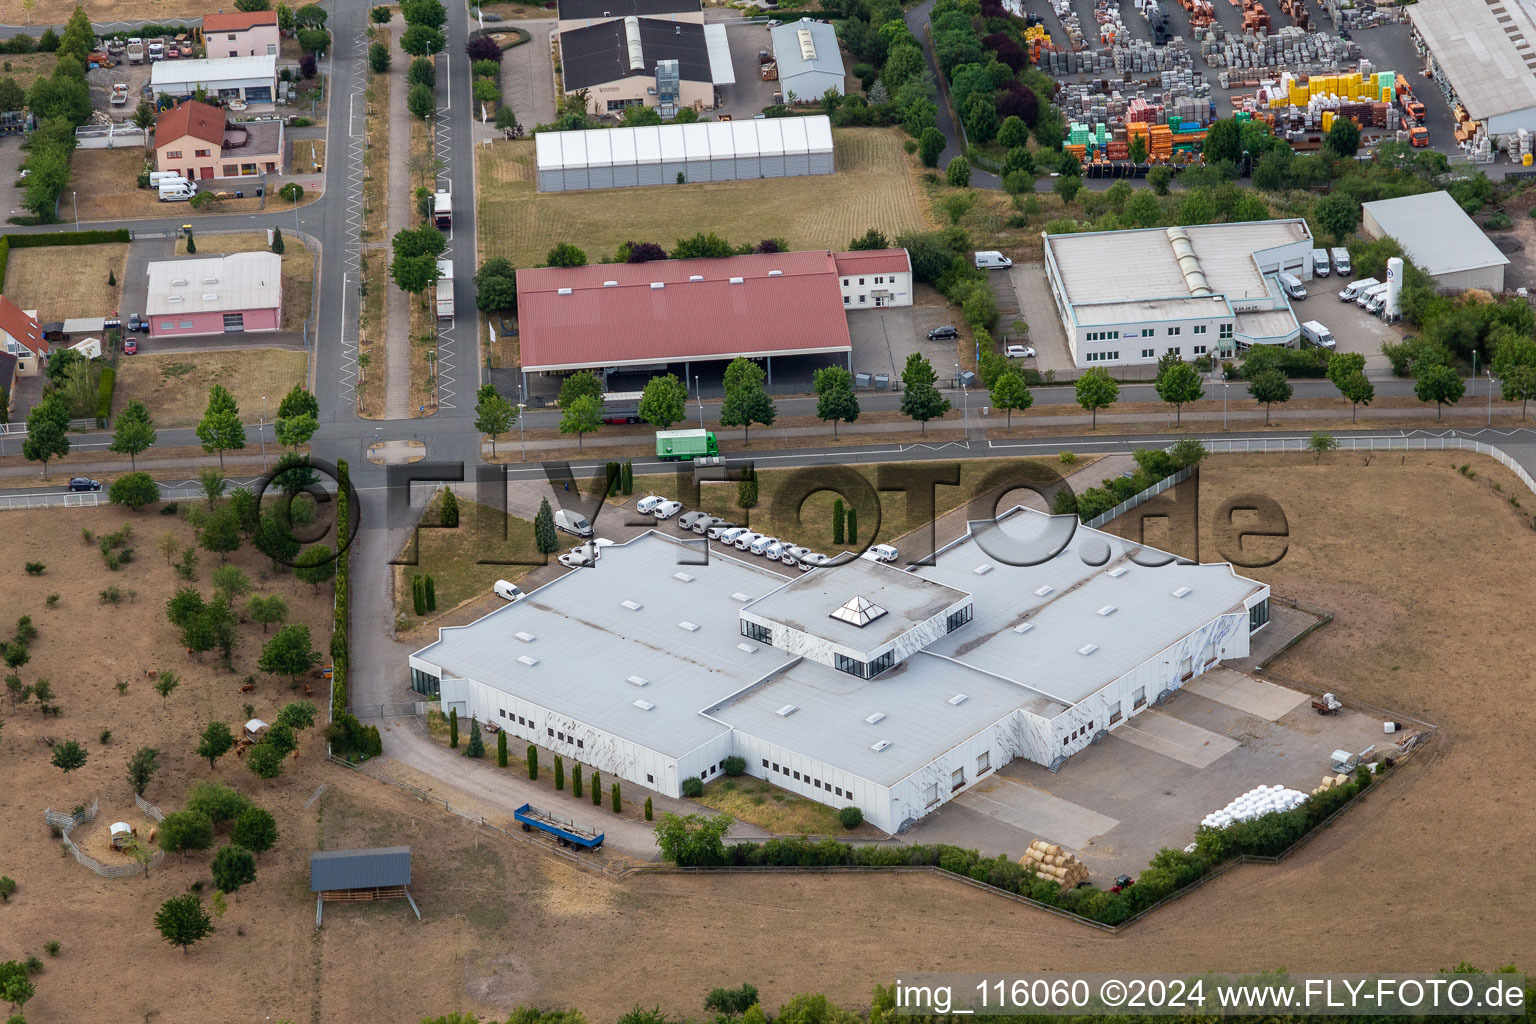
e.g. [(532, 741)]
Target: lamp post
[(1492, 380), (74, 197), (1226, 386), (522, 452), (698, 392), (262, 432)]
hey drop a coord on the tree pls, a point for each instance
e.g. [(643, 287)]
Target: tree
[(1321, 442), (930, 146), (229, 582), (476, 746), (273, 539), (186, 830), (296, 714), (265, 761), (135, 490), (267, 610), (745, 401), (142, 767), (255, 830), (874, 238), (1343, 138), (378, 58), (493, 413), (1009, 392), (615, 800), (1160, 177), (565, 255), (483, 48), (957, 174), (1269, 386), (583, 416), (420, 101), (920, 399), (544, 529), (559, 773), (702, 246), (183, 921), (1518, 381), (215, 742), (1137, 149), (68, 756), (835, 397), (496, 286), (133, 432), (422, 41), (422, 71), (167, 681), (1337, 213), (315, 565), (289, 653), (532, 759), (220, 429), (221, 532), (693, 840), (47, 426), (663, 401), (293, 431), (1096, 390), (1347, 372), (501, 748), (1067, 186), (7, 888), (581, 384), (233, 866), (1439, 384), (1178, 382), (1223, 141), (16, 987), (1012, 133)]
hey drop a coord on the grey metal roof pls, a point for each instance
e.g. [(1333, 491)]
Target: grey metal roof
[(1436, 233), (1485, 50), (596, 54), (1146, 616), (807, 603), (571, 9), (380, 867), (787, 51)]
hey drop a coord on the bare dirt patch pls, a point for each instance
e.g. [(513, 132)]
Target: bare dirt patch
[(175, 385), (67, 280), (106, 184)]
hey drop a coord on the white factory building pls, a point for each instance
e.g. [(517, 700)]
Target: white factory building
[(861, 684), (244, 79), (1482, 54), (1438, 236), (809, 61), (1129, 297)]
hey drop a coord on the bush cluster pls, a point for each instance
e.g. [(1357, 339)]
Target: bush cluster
[(1152, 465)]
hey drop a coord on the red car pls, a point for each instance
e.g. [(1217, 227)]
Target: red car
[(130, 347)]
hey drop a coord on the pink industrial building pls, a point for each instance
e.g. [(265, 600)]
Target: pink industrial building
[(232, 294)]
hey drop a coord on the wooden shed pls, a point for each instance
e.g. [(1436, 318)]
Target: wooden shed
[(349, 876)]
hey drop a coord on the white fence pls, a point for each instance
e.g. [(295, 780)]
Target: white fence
[(67, 823), (1136, 499), (108, 136), (20, 429), (63, 499), (149, 808)]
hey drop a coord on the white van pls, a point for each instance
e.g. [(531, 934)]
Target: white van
[(881, 553), (1371, 294), (509, 591), (763, 545), (177, 191), (573, 522), (991, 259), (1317, 334), (1341, 262), (1377, 300), (1319, 262), (1291, 285), (1352, 290), (156, 178)]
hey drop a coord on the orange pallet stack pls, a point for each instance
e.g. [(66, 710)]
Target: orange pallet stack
[(1159, 142)]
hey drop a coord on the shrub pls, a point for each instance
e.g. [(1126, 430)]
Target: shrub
[(453, 728), (648, 811), (533, 762), (1067, 458), (617, 801), (693, 786), (850, 817), (735, 765), (52, 948), (7, 887)]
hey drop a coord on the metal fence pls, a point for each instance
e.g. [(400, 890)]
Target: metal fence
[(149, 808), (403, 709), (63, 499), (67, 823), (1136, 499), (20, 429)]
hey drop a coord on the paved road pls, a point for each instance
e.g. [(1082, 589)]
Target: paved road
[(954, 145)]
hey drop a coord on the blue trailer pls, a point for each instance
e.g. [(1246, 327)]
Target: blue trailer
[(565, 831)]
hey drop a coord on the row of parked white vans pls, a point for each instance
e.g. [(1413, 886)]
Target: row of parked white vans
[(1335, 260), (744, 539), (1369, 294)]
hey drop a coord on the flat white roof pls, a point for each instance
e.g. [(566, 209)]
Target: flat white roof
[(210, 71), (1184, 307), (212, 284), (701, 140), (1267, 325), (721, 71), (1487, 50), (1436, 233)]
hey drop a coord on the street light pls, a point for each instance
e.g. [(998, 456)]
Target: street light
[(698, 392), (522, 452), (74, 197), (262, 432), (1492, 380), (1226, 386)]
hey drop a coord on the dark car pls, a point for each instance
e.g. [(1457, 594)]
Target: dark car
[(84, 483), (137, 325), (943, 332), (130, 347)]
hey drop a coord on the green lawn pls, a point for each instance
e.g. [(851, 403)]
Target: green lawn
[(465, 563)]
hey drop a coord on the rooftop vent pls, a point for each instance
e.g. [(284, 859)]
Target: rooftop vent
[(858, 611), (1024, 627), (959, 698), (786, 710), (879, 745), (528, 660), (173, 298), (632, 41), (682, 576), (878, 716), (179, 282), (736, 280), (1087, 648), (639, 680), (692, 627), (610, 284), (749, 648), (1181, 592), (982, 570), (644, 705), (657, 286), (738, 596), (526, 638), (1117, 571), (210, 297), (1108, 609), (807, 44), (775, 273), (210, 280), (1044, 590), (695, 277), (562, 291), (633, 606)]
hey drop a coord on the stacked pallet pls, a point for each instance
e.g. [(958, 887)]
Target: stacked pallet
[(1048, 861)]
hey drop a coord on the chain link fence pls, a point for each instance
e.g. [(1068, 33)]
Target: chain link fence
[(67, 823)]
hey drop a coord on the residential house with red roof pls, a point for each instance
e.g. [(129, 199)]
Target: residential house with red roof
[(22, 348), (240, 34), (197, 141)]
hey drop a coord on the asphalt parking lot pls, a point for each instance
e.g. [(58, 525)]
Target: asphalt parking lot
[(1156, 776), (1353, 329), (750, 94), (884, 338)]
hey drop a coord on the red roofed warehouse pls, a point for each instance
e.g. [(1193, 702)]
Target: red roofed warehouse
[(240, 34), (644, 315), (194, 140), (20, 336)]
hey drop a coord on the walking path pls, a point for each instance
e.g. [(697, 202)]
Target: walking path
[(397, 336)]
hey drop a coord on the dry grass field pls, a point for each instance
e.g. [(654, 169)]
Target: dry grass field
[(67, 280), (26, 68), (308, 156), (175, 385), (298, 267), (106, 183), (873, 187), (459, 560)]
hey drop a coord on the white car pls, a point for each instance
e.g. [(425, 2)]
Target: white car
[(793, 553), (647, 505), (744, 541), (881, 553), (691, 519), (509, 591), (768, 547), (717, 531), (579, 558), (668, 509), (728, 537), (705, 523), (811, 560), (1020, 352)]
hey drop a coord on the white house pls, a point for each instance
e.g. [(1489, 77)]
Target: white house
[(874, 277), (249, 79)]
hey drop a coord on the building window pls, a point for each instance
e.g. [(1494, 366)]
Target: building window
[(1224, 331), (1147, 332), (956, 779), (882, 663), (983, 762), (852, 666), (863, 298), (957, 619), (231, 36), (173, 154), (775, 767), (650, 778), (1148, 353), (234, 321), (423, 682), (502, 712), (1114, 716), (1200, 350), (1101, 357), (931, 794), (1173, 332), (816, 783), (839, 791), (580, 745), (765, 762), (551, 732), (185, 325), (230, 170), (797, 776), (1258, 615), (1139, 697), (861, 282), (879, 280), (201, 152), (1065, 740), (755, 631), (845, 282), (560, 736), (1199, 329), (845, 300), (1175, 350)]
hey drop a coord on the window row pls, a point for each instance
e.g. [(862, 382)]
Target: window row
[(1082, 731), (562, 737), (817, 783), (958, 618), (878, 280), (756, 631), (864, 669), (1100, 357)]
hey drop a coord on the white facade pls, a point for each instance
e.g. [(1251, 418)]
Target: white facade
[(252, 79), (870, 291)]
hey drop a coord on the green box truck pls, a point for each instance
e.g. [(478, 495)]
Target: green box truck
[(686, 446)]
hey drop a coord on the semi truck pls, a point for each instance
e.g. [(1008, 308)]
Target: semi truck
[(442, 209), (696, 446), (445, 289), (622, 406)]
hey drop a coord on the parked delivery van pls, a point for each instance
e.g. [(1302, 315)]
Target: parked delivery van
[(991, 259), (1292, 286), (1352, 291), (573, 522), (1317, 334)]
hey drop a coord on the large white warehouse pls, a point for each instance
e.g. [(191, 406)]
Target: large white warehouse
[(1130, 297), (777, 147), (1437, 235), (860, 684), (1483, 55)]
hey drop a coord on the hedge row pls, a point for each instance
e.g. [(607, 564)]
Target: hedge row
[(1168, 872), (104, 395), (341, 656), (96, 237)]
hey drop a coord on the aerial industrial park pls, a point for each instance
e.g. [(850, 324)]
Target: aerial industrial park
[(732, 511)]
